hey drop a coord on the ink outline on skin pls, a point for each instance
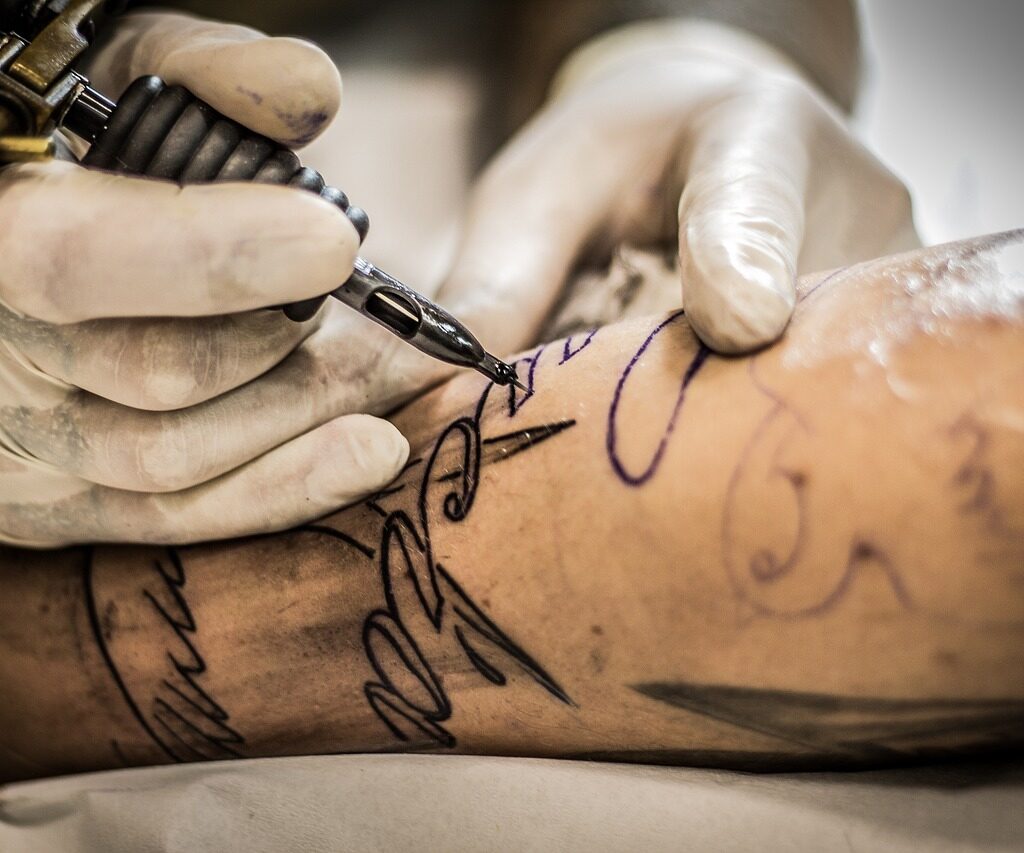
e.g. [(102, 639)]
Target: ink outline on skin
[(182, 725), (830, 731), (569, 351), (694, 367), (442, 600), (753, 583)]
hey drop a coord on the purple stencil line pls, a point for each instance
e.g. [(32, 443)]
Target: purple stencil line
[(612, 438), (567, 349)]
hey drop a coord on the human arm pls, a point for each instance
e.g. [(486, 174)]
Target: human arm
[(810, 557)]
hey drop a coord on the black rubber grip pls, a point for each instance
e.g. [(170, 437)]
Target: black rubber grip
[(163, 131)]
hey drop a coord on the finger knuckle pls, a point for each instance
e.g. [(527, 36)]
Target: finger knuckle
[(167, 459), (165, 387), (175, 372)]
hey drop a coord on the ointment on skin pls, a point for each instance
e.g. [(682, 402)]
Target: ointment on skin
[(941, 290)]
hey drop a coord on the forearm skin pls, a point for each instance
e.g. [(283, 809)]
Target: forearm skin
[(811, 557)]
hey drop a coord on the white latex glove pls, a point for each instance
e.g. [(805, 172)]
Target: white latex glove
[(688, 131), (145, 395)]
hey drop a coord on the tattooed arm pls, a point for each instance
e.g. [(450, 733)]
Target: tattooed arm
[(810, 557)]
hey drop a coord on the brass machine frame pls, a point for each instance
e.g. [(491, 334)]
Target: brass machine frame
[(37, 82)]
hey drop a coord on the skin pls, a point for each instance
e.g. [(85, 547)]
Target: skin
[(821, 566)]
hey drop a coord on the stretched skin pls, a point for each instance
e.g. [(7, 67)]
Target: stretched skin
[(813, 556)]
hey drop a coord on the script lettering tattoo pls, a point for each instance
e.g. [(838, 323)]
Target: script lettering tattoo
[(152, 621), (826, 730), (170, 704), (639, 478), (427, 615)]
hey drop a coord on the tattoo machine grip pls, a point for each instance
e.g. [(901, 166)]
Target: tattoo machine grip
[(163, 131)]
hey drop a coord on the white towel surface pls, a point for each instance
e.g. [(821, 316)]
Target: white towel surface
[(453, 803)]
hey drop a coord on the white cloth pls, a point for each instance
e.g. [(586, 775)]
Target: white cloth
[(457, 803)]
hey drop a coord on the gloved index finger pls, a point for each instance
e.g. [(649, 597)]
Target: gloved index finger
[(285, 88), (79, 244), (741, 216)]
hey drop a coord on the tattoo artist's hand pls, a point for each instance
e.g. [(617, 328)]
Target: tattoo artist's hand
[(679, 131), (145, 394)]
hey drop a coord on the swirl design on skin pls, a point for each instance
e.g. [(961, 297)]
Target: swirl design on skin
[(423, 599), (765, 570)]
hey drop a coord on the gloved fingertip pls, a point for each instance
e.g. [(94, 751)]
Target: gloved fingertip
[(360, 454), (292, 87), (737, 295), (271, 245)]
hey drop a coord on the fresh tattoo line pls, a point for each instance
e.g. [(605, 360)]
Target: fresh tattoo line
[(570, 349), (179, 716), (526, 368), (821, 729), (528, 376), (612, 436)]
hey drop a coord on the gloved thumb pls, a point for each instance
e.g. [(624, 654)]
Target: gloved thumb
[(285, 88), (741, 219)]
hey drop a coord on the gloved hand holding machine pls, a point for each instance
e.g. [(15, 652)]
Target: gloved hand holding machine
[(134, 350), (166, 132)]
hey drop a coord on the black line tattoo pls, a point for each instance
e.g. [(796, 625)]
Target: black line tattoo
[(825, 730), (408, 694), (174, 710)]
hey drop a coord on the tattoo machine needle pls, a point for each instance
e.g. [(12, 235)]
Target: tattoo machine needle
[(414, 318), (167, 132)]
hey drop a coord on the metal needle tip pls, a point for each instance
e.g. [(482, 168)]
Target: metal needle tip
[(498, 371)]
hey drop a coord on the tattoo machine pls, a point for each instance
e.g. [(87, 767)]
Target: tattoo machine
[(166, 132)]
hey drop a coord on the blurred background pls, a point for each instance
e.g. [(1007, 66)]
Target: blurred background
[(942, 105), (944, 108)]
